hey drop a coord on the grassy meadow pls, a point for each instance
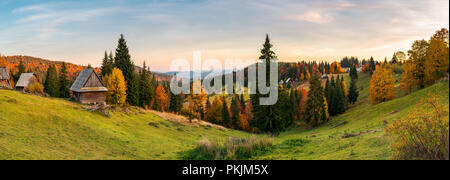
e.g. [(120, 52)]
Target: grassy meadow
[(33, 127)]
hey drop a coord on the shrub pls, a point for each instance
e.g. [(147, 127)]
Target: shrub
[(35, 88), (231, 149), (424, 134)]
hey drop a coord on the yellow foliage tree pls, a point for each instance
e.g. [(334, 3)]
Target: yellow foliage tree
[(197, 100), (408, 82), (436, 61), (382, 85), (115, 82), (214, 113)]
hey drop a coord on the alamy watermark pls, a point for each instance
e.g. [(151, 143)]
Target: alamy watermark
[(212, 83)]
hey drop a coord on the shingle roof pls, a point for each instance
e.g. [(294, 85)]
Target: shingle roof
[(24, 79), (4, 74), (78, 85)]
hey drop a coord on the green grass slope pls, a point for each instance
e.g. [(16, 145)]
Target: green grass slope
[(366, 122), (33, 127)]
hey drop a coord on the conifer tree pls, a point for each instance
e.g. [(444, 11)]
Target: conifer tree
[(51, 86), (175, 102), (122, 61), (226, 121), (107, 65), (235, 110), (266, 117), (146, 88), (22, 69), (316, 111), (372, 65), (64, 91), (242, 103), (353, 92)]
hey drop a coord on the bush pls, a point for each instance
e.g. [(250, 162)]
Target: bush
[(35, 88), (424, 134), (231, 149)]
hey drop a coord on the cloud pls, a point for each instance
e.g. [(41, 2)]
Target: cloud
[(311, 16)]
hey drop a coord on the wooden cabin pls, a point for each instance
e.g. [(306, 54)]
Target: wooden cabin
[(25, 80), (88, 88), (4, 78)]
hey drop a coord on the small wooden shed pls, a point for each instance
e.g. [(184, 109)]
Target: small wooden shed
[(25, 79), (4, 78), (88, 87)]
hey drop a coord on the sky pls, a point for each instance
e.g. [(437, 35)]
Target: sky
[(158, 32)]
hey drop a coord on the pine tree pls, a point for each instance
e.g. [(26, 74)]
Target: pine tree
[(316, 109), (107, 65), (22, 69), (342, 102), (242, 103), (353, 72), (175, 102), (353, 92), (372, 65), (51, 86), (235, 110), (122, 60), (146, 86), (226, 121), (266, 118), (64, 91), (394, 59)]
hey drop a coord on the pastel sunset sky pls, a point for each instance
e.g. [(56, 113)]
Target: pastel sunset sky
[(160, 31)]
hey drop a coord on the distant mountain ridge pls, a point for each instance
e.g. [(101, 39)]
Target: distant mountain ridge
[(39, 66)]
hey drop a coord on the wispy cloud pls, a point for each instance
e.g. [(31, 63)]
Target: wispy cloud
[(158, 31)]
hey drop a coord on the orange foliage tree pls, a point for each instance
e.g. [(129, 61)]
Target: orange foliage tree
[(161, 99), (336, 68), (382, 85)]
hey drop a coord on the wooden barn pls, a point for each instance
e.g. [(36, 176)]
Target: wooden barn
[(88, 88), (4, 78), (25, 79)]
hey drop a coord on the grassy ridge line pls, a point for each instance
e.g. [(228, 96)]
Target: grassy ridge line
[(33, 127), (327, 142)]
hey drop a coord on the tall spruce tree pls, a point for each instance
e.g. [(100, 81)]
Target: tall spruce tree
[(51, 86), (226, 121), (342, 98), (242, 103), (353, 92), (267, 118), (64, 91), (147, 93), (22, 69), (372, 65), (316, 110), (122, 60), (107, 65), (235, 112)]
